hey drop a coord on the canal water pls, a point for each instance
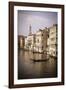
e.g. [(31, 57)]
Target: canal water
[(43, 67)]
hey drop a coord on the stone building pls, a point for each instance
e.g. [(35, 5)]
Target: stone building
[(38, 43), (21, 41), (41, 40), (30, 40), (52, 40)]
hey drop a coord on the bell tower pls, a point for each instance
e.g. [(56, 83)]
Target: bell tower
[(30, 32)]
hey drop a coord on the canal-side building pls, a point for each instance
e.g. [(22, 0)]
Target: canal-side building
[(52, 40), (48, 43), (30, 40), (38, 43), (21, 41), (41, 40), (44, 39)]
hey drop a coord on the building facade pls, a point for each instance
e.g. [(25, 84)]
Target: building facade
[(52, 40), (41, 40), (30, 40), (21, 41)]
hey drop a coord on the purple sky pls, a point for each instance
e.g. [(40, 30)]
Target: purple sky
[(37, 20)]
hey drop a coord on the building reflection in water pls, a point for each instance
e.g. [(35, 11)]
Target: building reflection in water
[(28, 69)]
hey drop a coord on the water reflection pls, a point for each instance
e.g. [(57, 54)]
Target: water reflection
[(27, 68)]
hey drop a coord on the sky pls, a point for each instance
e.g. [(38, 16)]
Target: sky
[(37, 20)]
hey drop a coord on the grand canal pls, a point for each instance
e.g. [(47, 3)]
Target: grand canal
[(28, 68)]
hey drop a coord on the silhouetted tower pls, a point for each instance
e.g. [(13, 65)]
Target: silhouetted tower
[(30, 32)]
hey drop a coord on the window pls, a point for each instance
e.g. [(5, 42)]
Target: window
[(37, 40)]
